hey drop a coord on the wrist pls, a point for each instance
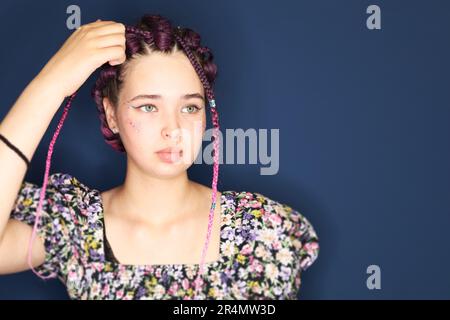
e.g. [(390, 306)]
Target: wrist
[(50, 86)]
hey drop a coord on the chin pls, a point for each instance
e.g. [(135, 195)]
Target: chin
[(166, 170)]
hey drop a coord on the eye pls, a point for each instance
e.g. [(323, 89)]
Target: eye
[(144, 107), (192, 109)]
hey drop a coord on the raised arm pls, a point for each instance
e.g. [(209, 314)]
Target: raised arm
[(82, 53)]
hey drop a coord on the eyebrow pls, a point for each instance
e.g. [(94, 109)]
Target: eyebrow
[(157, 96)]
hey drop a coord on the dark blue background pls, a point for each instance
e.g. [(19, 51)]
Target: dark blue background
[(363, 118)]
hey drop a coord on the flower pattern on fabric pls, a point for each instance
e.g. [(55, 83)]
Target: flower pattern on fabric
[(265, 246)]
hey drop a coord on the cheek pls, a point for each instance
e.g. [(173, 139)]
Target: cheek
[(135, 125), (197, 133), (196, 130), (137, 133)]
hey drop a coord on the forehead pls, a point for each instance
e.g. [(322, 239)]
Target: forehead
[(169, 75)]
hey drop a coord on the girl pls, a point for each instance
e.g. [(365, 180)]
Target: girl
[(142, 239)]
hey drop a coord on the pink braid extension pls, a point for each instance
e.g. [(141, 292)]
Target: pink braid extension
[(44, 186)]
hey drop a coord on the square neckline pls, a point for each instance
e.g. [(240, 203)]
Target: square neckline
[(118, 265)]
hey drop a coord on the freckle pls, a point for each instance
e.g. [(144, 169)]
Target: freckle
[(134, 125)]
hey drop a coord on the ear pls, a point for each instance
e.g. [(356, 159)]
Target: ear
[(111, 116)]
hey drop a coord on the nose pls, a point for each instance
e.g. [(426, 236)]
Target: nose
[(171, 131)]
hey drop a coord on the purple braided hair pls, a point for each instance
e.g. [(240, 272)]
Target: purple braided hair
[(156, 33)]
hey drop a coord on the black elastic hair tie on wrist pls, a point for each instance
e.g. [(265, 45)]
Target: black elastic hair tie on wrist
[(9, 144)]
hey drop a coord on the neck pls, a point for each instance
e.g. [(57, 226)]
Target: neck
[(157, 201)]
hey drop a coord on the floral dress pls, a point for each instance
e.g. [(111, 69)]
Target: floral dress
[(264, 248)]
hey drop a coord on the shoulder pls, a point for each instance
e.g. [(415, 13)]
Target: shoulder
[(261, 206), (64, 196), (57, 184), (72, 189), (275, 225), (59, 217), (268, 212), (29, 193)]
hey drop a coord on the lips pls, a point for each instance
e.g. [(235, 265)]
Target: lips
[(169, 150), (170, 155)]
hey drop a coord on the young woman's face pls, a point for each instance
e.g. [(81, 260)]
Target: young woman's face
[(161, 105)]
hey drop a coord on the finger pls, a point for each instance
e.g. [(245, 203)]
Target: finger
[(100, 22), (114, 53), (110, 40), (113, 27), (118, 61), (94, 25)]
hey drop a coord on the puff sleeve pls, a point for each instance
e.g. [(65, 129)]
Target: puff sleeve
[(300, 231), (51, 226), (306, 239)]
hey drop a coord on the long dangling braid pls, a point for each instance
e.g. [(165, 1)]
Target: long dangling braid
[(44, 186)]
